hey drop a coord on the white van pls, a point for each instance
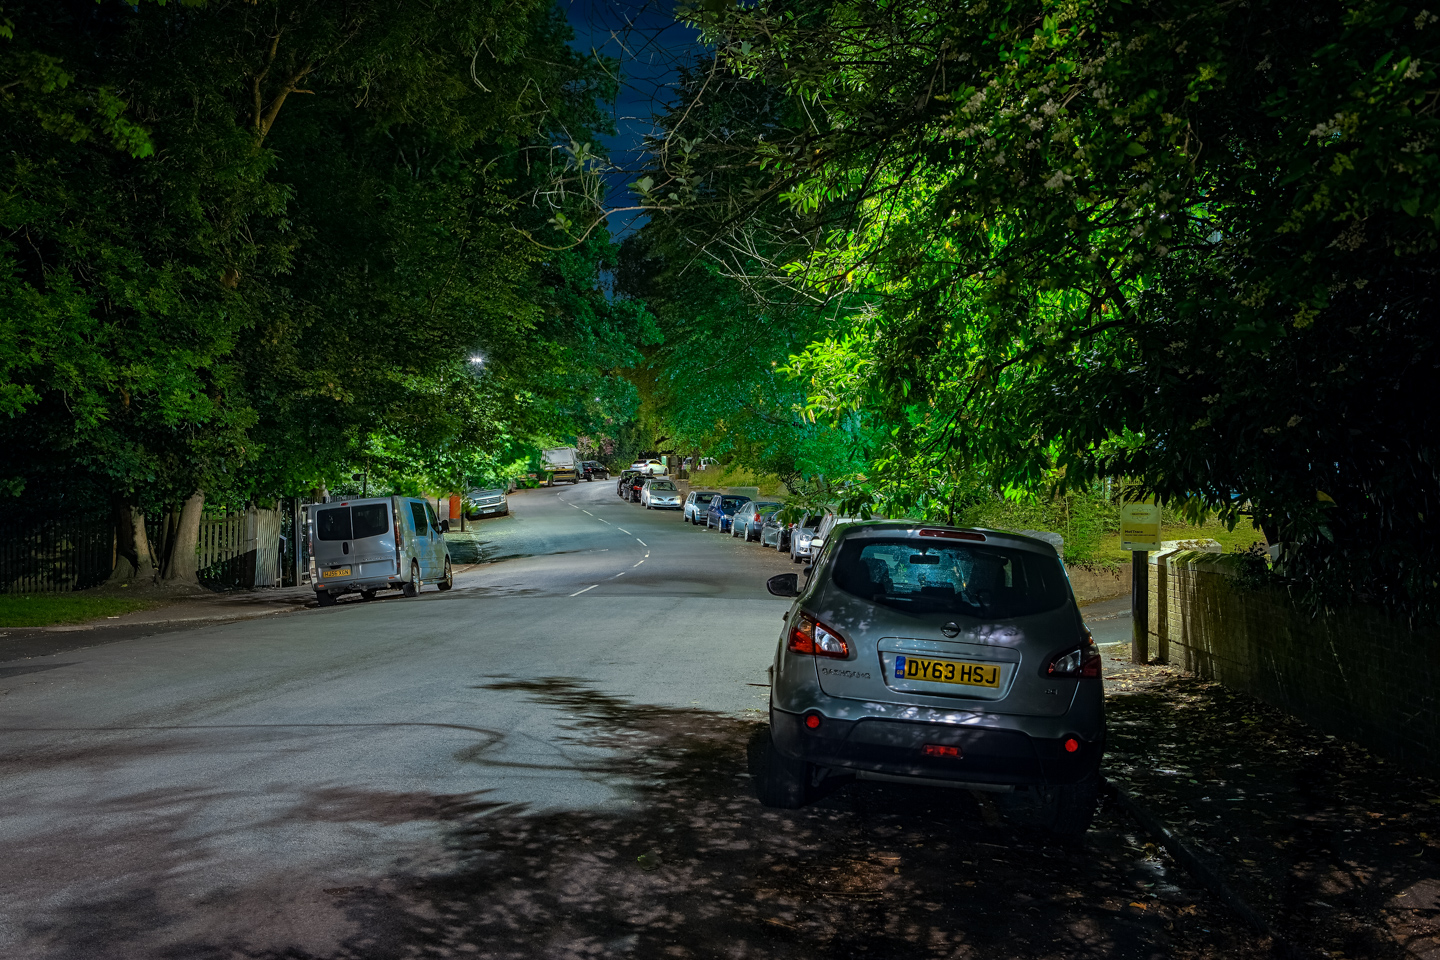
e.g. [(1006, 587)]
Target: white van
[(378, 543)]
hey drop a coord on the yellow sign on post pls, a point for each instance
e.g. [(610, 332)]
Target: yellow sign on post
[(1139, 526)]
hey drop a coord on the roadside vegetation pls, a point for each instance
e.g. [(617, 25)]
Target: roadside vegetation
[(256, 250), (51, 609), (972, 257)]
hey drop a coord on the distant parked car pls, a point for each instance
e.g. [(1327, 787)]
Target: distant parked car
[(776, 532), (486, 503), (651, 467), (622, 486), (829, 521), (802, 537), (697, 503), (749, 518), (722, 510), (593, 470), (660, 493), (636, 484)]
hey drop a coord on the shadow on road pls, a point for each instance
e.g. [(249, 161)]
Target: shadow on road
[(697, 868)]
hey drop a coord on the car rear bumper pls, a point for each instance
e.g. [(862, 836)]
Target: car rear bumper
[(894, 748)]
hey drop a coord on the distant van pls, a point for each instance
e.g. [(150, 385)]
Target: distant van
[(378, 543)]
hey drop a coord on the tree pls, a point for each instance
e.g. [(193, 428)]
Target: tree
[(1193, 244)]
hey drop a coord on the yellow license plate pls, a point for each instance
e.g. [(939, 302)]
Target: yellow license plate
[(342, 572), (948, 671)]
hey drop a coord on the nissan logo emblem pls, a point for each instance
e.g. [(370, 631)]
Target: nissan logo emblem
[(950, 629)]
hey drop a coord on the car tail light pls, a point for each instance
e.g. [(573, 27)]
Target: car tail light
[(940, 750), (1072, 745), (953, 534), (810, 636), (1083, 662)]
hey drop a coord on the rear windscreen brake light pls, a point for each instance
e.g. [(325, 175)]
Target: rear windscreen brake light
[(953, 535)]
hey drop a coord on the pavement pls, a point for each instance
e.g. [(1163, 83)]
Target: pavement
[(546, 761)]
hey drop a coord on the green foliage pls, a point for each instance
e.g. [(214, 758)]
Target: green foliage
[(47, 609), (270, 265), (1193, 244)]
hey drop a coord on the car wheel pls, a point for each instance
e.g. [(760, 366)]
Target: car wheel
[(449, 580), (412, 587), (779, 781), (1066, 810), (325, 598), (367, 594)]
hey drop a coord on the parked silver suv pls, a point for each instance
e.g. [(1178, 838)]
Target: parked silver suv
[(935, 655)]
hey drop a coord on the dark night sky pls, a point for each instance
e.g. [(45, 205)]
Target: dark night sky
[(649, 43)]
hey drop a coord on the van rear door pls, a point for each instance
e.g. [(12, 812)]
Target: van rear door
[(354, 541)]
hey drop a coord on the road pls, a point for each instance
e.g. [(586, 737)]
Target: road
[(547, 761)]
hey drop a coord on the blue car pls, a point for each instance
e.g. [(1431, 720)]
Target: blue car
[(722, 511)]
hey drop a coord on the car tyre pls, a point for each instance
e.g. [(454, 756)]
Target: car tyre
[(412, 586), (779, 781), (325, 598), (1067, 810), (449, 580), (367, 594)]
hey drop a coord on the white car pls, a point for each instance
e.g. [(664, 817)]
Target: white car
[(660, 493), (651, 467), (829, 522)]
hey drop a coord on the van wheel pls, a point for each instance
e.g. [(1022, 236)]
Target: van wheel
[(449, 580), (779, 781), (412, 587), (1066, 810), (325, 598), (367, 594)]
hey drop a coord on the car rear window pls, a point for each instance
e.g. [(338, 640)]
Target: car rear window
[(991, 583), (734, 503), (765, 509), (352, 523)]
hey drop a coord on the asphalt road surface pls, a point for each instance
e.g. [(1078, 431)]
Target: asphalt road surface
[(547, 761)]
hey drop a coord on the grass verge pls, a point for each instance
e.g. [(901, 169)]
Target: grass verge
[(49, 609)]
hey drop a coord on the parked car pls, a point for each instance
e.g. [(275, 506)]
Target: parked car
[(376, 543), (660, 493), (802, 537), (722, 510), (622, 486), (705, 463), (926, 654), (750, 517), (594, 470), (776, 532), (652, 467), (697, 503), (486, 503), (828, 521), (635, 485)]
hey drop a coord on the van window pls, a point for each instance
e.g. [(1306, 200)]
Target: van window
[(370, 520), (422, 528), (992, 583), (430, 512), (333, 523)]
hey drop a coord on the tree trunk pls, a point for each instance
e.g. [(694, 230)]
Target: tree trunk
[(184, 560), (133, 560)]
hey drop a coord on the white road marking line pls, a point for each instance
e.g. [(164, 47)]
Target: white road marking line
[(647, 553), (591, 587), (602, 519), (587, 512), (620, 574), (641, 542), (637, 563), (623, 530)]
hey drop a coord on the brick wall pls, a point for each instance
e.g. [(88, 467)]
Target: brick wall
[(1357, 674)]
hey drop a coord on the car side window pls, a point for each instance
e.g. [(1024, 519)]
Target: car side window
[(417, 511)]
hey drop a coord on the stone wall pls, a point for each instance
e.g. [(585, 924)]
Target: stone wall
[(1357, 674), (1098, 582)]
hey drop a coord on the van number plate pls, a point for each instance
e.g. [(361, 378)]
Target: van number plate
[(342, 572), (948, 671)]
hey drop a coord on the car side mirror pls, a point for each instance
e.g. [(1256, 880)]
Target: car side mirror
[(444, 526), (784, 585)]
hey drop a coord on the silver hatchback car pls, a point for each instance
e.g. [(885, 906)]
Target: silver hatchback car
[(935, 655)]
